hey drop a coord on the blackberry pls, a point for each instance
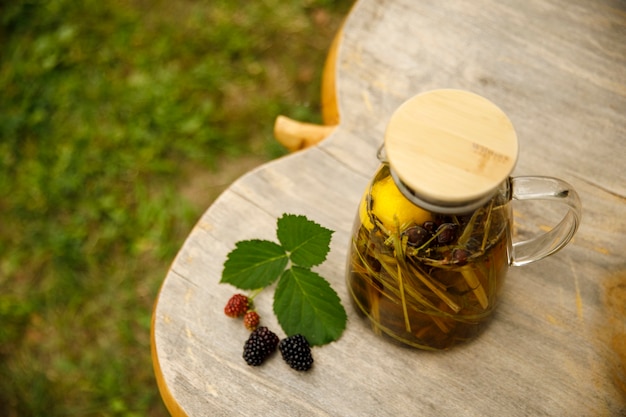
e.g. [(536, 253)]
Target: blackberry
[(261, 344), (236, 306), (251, 320), (296, 352)]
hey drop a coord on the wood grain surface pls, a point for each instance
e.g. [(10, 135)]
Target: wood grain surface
[(557, 345)]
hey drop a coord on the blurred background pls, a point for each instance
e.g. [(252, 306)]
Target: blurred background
[(120, 122)]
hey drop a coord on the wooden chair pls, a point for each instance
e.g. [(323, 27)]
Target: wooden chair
[(295, 135)]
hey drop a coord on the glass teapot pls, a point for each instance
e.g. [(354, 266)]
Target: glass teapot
[(432, 240)]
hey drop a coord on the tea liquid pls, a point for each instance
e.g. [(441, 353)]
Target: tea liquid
[(430, 285)]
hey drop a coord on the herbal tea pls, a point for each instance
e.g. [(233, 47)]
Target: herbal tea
[(432, 239), (426, 279)]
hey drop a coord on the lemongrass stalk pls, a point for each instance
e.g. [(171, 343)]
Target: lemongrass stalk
[(491, 275), (414, 294), (423, 278), (400, 256), (390, 266), (374, 308), (439, 322), (469, 229), (487, 227), (477, 288)]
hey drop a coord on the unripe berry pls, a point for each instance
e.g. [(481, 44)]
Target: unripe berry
[(236, 306), (251, 320)]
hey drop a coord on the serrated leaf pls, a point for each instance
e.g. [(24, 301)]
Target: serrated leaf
[(254, 264), (305, 303), (307, 242)]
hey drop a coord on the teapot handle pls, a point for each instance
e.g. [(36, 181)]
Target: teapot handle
[(552, 189)]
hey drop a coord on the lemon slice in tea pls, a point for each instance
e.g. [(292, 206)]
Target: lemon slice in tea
[(391, 207)]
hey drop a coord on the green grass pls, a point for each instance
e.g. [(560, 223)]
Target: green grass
[(108, 109)]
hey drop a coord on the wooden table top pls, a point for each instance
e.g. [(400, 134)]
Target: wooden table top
[(557, 345)]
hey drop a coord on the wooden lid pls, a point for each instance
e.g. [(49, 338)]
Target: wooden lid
[(450, 147)]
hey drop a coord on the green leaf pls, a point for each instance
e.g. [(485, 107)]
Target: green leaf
[(305, 303), (254, 264), (307, 242)]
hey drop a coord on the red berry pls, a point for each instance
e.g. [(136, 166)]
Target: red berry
[(236, 306), (251, 320)]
